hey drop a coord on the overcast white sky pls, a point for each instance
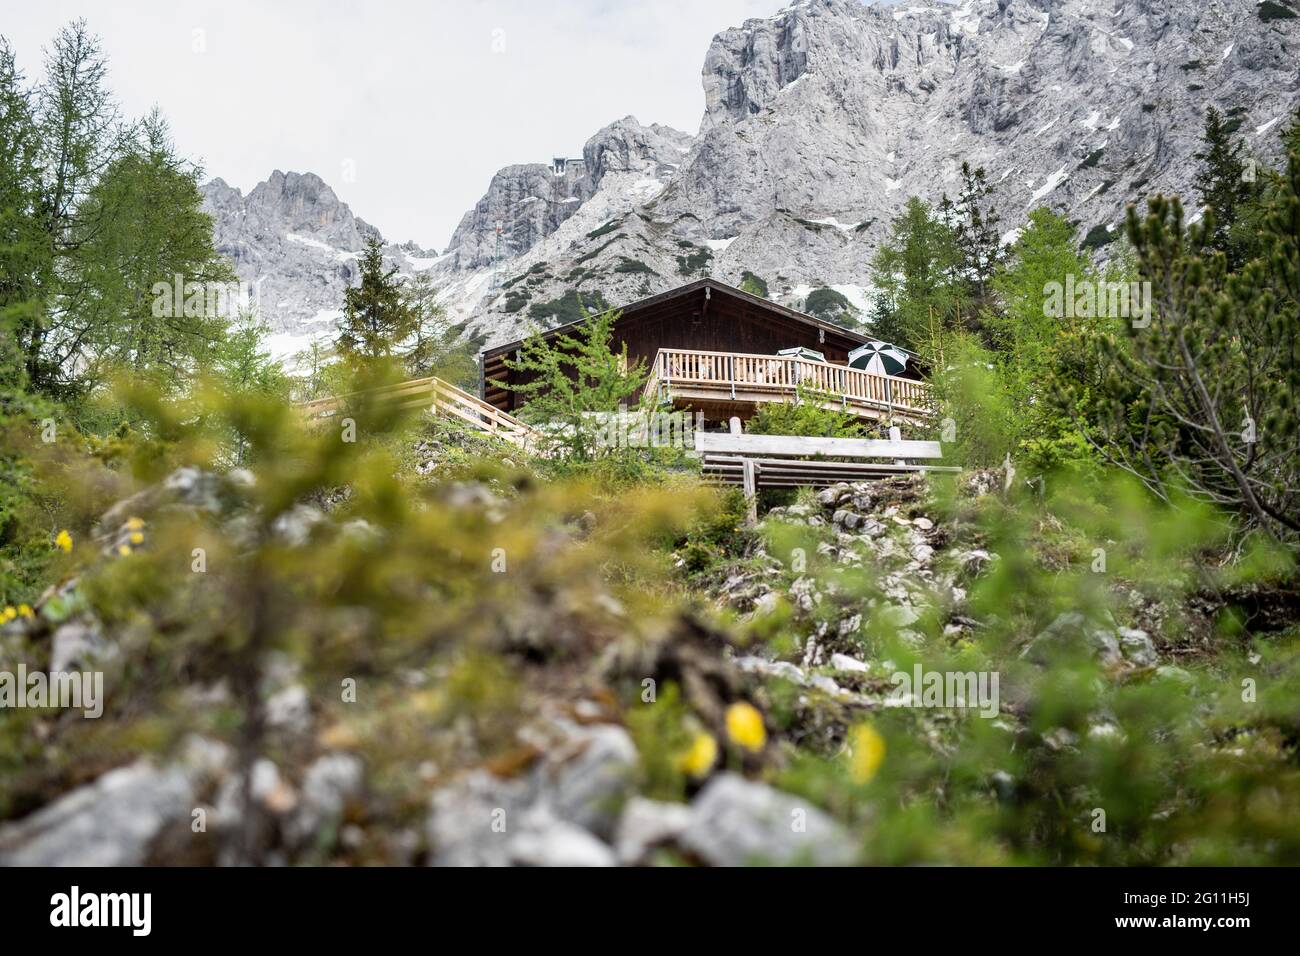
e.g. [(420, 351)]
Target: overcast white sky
[(425, 99)]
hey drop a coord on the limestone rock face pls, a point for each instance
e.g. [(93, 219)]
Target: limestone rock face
[(531, 201), (819, 122), (294, 245)]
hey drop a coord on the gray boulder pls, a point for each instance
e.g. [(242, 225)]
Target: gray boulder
[(736, 822), (1072, 634), (561, 812), (111, 822), (646, 824)]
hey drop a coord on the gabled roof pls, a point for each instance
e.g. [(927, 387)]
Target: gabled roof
[(712, 285)]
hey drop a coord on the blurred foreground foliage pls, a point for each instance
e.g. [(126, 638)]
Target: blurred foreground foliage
[(459, 601)]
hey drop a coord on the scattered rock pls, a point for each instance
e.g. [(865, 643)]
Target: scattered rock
[(646, 824), (186, 487), (296, 525), (549, 816), (1137, 647), (78, 646), (470, 821), (736, 822), (544, 840), (1072, 633), (590, 774), (289, 710), (110, 822), (327, 786), (846, 519), (842, 662)]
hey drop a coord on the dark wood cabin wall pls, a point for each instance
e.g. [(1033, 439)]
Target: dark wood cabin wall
[(721, 325)]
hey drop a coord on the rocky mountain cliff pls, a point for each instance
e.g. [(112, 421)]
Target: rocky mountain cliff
[(819, 123), (295, 244), (532, 201)]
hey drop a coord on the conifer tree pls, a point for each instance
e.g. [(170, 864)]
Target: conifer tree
[(974, 225), (245, 368), (80, 136), (566, 378), (25, 261), (436, 347), (1203, 396), (377, 319), (916, 274), (142, 225), (1224, 183)]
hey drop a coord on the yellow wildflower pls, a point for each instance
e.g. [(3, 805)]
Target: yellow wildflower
[(700, 758), (137, 537), (9, 614), (25, 610), (745, 726), (868, 752), (124, 549), (63, 541), (134, 524)]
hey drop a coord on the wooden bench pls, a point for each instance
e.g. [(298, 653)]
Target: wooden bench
[(791, 461)]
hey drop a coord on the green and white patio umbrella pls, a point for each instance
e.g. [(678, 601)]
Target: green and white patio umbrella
[(878, 357)]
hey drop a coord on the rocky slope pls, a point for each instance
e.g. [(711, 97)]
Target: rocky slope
[(819, 122)]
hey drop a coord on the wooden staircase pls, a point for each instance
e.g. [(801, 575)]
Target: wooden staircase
[(438, 396)]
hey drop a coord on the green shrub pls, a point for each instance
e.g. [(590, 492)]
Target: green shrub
[(633, 266), (753, 284), (696, 259), (830, 305), (569, 307), (811, 413), (605, 229)]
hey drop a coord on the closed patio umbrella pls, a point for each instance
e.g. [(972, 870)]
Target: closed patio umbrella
[(804, 353)]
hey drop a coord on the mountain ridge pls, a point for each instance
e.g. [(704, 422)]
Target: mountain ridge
[(819, 122)]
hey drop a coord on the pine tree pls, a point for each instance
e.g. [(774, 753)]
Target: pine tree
[(377, 320), (80, 136), (317, 368), (244, 368), (123, 310), (974, 225), (1224, 183), (1037, 347), (1204, 397), (243, 361)]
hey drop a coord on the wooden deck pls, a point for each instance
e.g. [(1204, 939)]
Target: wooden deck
[(727, 383)]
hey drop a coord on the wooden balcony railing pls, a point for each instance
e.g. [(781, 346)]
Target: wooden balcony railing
[(730, 376), (436, 395)]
